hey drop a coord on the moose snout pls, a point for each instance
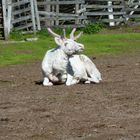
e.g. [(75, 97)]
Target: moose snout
[(81, 46)]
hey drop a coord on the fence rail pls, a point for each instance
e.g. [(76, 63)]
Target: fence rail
[(22, 15), (61, 12)]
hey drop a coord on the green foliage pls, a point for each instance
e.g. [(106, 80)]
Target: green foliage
[(18, 53), (104, 44), (19, 35), (108, 42), (92, 28), (16, 35), (42, 33)]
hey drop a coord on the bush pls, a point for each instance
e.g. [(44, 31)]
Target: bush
[(92, 28), (16, 35), (88, 29), (20, 35)]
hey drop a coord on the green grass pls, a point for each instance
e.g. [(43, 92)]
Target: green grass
[(16, 53), (96, 44), (100, 44)]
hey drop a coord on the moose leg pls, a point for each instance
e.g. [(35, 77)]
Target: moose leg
[(46, 82), (62, 77), (53, 77), (87, 82), (71, 80), (94, 79)]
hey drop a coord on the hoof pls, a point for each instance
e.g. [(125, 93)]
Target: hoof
[(47, 84), (87, 82)]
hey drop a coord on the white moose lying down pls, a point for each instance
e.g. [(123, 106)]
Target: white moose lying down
[(61, 65)]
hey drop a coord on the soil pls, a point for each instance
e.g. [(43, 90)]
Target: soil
[(106, 111)]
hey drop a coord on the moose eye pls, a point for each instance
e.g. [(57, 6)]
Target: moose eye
[(66, 44)]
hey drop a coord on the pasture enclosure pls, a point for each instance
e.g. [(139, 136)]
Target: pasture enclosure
[(32, 15)]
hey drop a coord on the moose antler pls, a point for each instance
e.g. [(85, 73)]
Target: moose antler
[(75, 37), (72, 33), (78, 36), (53, 33), (64, 32)]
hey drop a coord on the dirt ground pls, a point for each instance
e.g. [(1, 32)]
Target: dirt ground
[(106, 111)]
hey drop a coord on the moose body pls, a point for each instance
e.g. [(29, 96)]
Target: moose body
[(55, 62), (82, 69), (63, 65)]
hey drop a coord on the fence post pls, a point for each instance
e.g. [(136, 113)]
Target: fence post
[(47, 9), (57, 11), (9, 15), (53, 10), (111, 16), (4, 19), (33, 16), (124, 10), (37, 15), (76, 9)]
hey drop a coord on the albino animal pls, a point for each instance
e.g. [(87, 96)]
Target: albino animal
[(81, 68), (62, 65), (55, 62)]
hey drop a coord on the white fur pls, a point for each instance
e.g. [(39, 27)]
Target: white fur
[(55, 62), (81, 68), (61, 65)]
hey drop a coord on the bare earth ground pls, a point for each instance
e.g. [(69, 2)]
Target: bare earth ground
[(106, 111)]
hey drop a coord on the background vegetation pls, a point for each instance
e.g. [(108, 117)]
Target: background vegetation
[(97, 41)]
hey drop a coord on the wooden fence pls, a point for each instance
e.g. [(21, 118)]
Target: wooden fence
[(3, 29), (61, 12), (132, 9), (32, 15), (105, 11), (1, 22), (113, 12), (24, 15)]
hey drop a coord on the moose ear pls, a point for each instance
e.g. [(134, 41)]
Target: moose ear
[(58, 41)]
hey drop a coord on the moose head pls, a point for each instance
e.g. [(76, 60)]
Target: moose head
[(68, 45)]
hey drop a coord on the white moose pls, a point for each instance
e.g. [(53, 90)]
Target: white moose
[(55, 62), (62, 65)]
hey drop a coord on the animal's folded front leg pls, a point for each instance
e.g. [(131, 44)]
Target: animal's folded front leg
[(46, 82), (71, 80), (53, 78)]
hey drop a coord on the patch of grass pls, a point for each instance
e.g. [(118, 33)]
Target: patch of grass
[(16, 53), (95, 44), (100, 44)]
